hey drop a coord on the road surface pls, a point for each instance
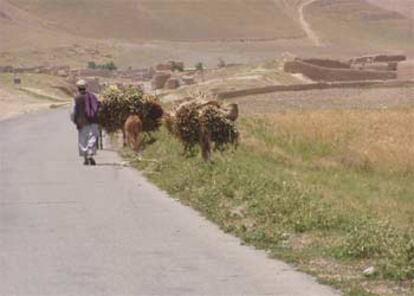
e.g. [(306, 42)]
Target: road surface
[(67, 229)]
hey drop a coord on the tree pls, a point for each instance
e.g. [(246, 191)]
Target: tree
[(92, 65), (110, 66), (199, 66)]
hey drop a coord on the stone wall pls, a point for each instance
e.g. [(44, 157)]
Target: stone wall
[(328, 63), (159, 80), (381, 58), (172, 83), (318, 73), (6, 69), (61, 70), (311, 86), (95, 73)]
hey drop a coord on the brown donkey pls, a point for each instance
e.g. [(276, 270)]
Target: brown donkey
[(131, 132)]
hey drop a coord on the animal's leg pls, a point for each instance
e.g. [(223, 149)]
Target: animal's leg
[(136, 143), (124, 138), (100, 140), (205, 144)]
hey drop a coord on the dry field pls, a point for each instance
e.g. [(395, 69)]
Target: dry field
[(383, 138), (352, 98), (379, 140), (355, 129)]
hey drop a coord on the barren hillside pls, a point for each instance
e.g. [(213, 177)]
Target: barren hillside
[(405, 7), (143, 32), (134, 20), (20, 29), (359, 24)]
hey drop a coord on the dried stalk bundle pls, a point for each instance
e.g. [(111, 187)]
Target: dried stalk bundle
[(118, 104), (114, 110), (187, 125), (222, 131), (203, 122), (151, 113)]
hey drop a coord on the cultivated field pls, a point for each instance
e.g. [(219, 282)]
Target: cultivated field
[(347, 98)]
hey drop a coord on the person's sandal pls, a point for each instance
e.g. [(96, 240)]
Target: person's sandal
[(92, 161), (86, 161)]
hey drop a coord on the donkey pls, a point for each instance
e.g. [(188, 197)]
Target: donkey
[(131, 132)]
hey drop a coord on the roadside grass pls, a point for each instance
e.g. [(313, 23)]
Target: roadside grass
[(330, 191)]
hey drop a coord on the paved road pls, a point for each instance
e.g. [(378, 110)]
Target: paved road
[(66, 229)]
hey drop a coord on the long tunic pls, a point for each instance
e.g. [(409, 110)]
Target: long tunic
[(88, 131), (88, 140)]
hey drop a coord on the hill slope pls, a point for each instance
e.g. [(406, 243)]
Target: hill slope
[(359, 24), (134, 20), (20, 29), (405, 7), (143, 32)]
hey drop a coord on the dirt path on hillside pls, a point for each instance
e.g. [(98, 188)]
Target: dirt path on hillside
[(312, 35)]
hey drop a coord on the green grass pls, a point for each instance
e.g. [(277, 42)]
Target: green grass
[(270, 193)]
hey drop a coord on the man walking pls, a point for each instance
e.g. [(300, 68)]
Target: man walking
[(85, 116)]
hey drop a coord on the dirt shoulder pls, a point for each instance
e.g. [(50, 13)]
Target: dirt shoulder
[(36, 92)]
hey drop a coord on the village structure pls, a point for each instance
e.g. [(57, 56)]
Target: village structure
[(372, 70)]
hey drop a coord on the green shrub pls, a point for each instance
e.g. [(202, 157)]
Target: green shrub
[(199, 66), (91, 65), (178, 67), (108, 66)]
